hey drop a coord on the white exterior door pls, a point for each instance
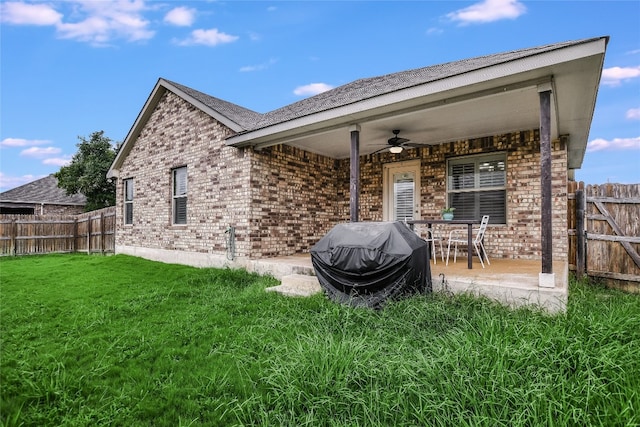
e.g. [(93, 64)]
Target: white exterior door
[(401, 191)]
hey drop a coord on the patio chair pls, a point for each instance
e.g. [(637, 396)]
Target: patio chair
[(432, 239), (460, 236)]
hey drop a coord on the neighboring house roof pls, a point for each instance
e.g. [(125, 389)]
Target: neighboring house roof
[(44, 190), (431, 104)]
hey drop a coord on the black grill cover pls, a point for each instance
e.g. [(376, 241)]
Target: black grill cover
[(367, 263)]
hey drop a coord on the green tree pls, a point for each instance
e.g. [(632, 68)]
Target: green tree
[(87, 173)]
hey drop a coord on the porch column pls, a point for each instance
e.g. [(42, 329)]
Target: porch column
[(546, 218), (354, 180)]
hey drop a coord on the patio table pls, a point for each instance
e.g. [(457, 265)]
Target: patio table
[(468, 222)]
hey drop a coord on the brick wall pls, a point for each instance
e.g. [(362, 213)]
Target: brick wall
[(60, 210), (293, 200), (281, 200), (178, 134)]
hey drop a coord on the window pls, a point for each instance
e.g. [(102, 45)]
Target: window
[(180, 195), (476, 186), (128, 201)]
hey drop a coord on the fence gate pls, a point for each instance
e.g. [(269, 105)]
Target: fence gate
[(606, 240)]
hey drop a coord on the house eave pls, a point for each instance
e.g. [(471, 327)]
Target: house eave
[(538, 67)]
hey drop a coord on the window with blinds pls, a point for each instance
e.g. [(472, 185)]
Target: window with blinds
[(128, 201), (476, 186), (404, 191), (180, 195)]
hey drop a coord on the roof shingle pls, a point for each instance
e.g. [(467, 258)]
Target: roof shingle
[(44, 190)]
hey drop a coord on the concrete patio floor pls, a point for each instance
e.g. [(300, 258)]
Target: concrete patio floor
[(511, 282)]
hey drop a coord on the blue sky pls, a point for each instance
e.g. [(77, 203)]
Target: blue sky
[(70, 68)]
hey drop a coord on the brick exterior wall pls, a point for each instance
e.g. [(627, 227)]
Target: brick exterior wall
[(60, 210), (178, 134), (281, 199), (293, 200)]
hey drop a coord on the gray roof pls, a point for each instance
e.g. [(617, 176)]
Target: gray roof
[(244, 117), (44, 190), (364, 88), (375, 86)]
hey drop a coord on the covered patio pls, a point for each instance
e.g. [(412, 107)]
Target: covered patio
[(497, 135)]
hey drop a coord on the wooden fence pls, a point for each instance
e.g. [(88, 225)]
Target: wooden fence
[(89, 232), (604, 233)]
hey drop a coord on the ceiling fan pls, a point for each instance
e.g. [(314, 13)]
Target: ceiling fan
[(395, 144)]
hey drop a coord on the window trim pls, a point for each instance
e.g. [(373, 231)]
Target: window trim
[(128, 203), (477, 159), (175, 197)]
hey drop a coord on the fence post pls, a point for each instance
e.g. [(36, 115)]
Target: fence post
[(74, 242), (580, 235), (14, 232), (89, 235), (102, 232)]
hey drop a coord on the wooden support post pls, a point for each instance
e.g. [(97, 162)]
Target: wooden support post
[(354, 179), (580, 234), (546, 217)]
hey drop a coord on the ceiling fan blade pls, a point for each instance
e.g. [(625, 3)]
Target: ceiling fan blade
[(382, 149), (396, 140)]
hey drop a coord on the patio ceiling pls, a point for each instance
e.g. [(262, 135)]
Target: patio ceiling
[(483, 102)]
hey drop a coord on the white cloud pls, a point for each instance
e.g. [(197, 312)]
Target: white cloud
[(21, 142), (39, 152), (211, 37), (633, 114), (488, 11), (614, 76), (180, 16), (312, 89), (106, 20), (95, 22), (258, 67), (434, 30), (57, 161), (19, 13), (600, 144), (8, 182)]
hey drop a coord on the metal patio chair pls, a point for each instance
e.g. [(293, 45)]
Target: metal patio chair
[(460, 236), (432, 239)]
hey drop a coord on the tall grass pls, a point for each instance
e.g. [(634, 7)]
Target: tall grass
[(89, 340)]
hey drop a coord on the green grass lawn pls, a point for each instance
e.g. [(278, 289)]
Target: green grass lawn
[(121, 341)]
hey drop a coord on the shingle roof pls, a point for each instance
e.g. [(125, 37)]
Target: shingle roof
[(242, 116), (364, 88), (375, 86), (44, 190)]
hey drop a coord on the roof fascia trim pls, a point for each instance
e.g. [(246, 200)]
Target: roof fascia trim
[(468, 79)]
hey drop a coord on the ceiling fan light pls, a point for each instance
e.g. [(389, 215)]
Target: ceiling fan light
[(395, 150)]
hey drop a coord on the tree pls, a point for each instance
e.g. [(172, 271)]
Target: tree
[(87, 172)]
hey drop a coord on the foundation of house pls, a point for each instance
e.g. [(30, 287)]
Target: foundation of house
[(511, 282), (515, 283)]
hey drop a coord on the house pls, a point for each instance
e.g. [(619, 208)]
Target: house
[(203, 181), (41, 197)]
